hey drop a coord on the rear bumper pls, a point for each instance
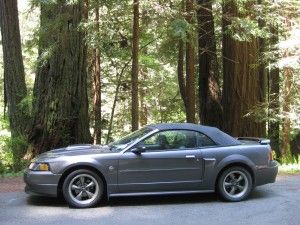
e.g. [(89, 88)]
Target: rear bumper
[(267, 174), (41, 183)]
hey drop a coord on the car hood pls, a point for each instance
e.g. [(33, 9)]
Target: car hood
[(74, 150)]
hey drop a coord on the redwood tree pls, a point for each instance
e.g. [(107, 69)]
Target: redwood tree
[(274, 87), (288, 73), (209, 91), (190, 67), (14, 76), (97, 85), (186, 56), (241, 85), (60, 91), (135, 68)]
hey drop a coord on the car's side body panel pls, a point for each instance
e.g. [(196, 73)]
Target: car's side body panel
[(160, 171)]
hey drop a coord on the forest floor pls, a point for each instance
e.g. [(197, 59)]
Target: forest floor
[(11, 184)]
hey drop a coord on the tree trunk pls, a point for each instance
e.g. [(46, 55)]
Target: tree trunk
[(241, 85), (190, 67), (209, 89), (60, 91), (274, 81), (286, 127), (14, 76), (143, 100), (262, 70), (97, 86), (287, 97), (119, 82), (135, 68), (180, 73), (295, 148)]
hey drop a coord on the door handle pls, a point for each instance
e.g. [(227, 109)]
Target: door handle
[(190, 156)]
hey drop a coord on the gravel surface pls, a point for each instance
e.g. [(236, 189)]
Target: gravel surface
[(276, 204)]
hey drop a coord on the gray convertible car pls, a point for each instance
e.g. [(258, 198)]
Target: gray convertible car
[(157, 159)]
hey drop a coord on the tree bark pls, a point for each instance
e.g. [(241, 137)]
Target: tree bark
[(135, 68), (295, 148), (262, 70), (190, 67), (180, 73), (209, 89), (286, 107), (241, 85), (97, 86), (14, 76), (287, 97), (274, 83), (60, 91), (143, 100)]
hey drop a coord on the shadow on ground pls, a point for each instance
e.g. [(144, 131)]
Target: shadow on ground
[(150, 200)]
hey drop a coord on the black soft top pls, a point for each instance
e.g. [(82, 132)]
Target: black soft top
[(215, 134)]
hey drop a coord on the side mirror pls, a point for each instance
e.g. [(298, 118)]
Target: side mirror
[(138, 150)]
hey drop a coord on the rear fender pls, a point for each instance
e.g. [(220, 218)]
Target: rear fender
[(233, 159)]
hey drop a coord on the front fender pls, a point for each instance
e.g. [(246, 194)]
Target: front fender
[(107, 169)]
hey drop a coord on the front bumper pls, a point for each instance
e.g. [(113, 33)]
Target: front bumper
[(267, 174), (41, 183)]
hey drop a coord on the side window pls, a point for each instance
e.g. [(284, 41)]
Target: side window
[(172, 140), (204, 141), (158, 141)]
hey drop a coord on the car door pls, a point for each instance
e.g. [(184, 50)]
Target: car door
[(171, 161)]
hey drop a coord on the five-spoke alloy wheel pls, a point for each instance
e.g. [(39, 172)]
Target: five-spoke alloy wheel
[(235, 184), (83, 188)]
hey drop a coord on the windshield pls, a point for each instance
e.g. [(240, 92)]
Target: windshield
[(121, 144)]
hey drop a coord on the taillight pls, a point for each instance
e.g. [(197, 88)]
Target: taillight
[(270, 155)]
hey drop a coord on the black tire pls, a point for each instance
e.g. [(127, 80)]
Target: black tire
[(83, 195), (231, 183)]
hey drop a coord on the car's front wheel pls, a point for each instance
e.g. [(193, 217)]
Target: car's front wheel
[(83, 189), (235, 184)]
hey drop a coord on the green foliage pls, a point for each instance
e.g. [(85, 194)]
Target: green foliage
[(12, 174), (26, 105), (11, 149), (16, 146), (245, 29), (179, 29), (290, 167), (6, 156)]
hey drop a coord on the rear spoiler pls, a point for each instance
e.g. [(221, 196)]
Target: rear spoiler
[(262, 141)]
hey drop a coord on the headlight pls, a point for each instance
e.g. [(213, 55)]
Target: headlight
[(39, 167)]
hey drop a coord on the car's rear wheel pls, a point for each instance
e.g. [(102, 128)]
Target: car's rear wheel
[(235, 184), (83, 189)]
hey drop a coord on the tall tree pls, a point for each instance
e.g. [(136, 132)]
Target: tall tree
[(190, 66), (97, 83), (135, 68), (14, 76), (209, 88), (186, 60), (287, 95), (180, 73), (262, 67), (241, 85), (274, 87), (143, 100), (60, 91)]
